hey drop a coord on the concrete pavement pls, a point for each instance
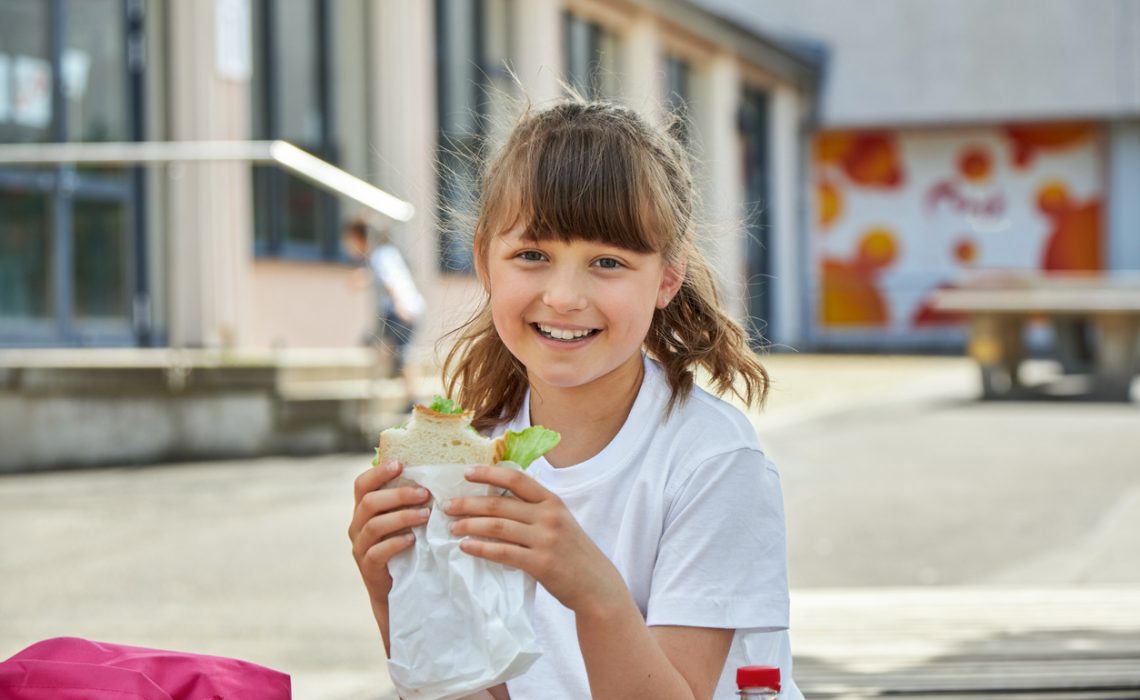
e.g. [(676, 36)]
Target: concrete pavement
[(942, 545), (914, 514)]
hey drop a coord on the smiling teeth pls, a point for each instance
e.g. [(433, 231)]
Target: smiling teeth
[(562, 334)]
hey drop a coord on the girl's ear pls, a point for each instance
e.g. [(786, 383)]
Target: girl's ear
[(670, 283)]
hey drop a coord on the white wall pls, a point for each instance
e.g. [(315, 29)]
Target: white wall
[(907, 61), (1124, 196), (790, 305)]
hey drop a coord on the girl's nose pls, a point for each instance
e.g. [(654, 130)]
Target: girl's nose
[(564, 293)]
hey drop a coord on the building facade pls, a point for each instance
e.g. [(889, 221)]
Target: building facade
[(399, 94), (959, 138)]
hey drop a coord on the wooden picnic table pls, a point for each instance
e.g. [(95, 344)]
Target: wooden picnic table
[(998, 309)]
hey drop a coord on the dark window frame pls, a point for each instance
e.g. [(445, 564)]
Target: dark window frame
[(65, 186), (752, 124), (458, 152), (678, 96), (272, 219), (588, 85)]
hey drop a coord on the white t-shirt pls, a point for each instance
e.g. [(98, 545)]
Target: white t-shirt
[(394, 281), (690, 511)]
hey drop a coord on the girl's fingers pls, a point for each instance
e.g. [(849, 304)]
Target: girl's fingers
[(387, 524), (382, 552), (501, 552), (522, 486), (494, 506), (375, 478), (375, 503), (501, 529)]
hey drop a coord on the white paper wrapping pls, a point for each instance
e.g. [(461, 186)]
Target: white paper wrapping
[(457, 623)]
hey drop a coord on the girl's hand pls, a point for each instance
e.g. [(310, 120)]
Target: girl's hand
[(534, 532), (381, 526)]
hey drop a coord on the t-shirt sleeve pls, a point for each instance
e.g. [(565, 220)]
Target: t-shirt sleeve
[(722, 557)]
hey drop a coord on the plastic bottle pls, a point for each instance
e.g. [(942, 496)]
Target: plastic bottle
[(758, 682)]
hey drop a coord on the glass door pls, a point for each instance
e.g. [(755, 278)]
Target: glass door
[(67, 234)]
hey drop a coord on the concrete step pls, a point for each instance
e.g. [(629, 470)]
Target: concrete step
[(968, 642)]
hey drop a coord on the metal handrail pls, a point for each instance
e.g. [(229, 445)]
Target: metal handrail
[(281, 153)]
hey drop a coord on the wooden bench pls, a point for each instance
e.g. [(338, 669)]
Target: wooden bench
[(998, 309)]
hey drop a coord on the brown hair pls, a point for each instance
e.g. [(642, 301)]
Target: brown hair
[(360, 226), (356, 227), (597, 171)]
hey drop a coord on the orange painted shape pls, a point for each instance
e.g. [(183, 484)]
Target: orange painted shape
[(832, 146), (850, 296), (1053, 198), (877, 249), (1026, 140), (829, 200), (975, 164), (867, 158), (1076, 241), (966, 251), (873, 161)]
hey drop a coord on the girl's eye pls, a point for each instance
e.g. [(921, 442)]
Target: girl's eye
[(531, 256), (608, 263)]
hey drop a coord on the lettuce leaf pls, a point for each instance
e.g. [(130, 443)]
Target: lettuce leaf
[(445, 406), (525, 446)]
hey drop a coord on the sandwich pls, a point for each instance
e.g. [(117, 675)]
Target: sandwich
[(441, 433)]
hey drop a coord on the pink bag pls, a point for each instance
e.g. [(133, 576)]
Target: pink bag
[(69, 668)]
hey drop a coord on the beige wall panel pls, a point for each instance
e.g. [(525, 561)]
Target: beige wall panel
[(403, 136), (308, 305), (538, 48), (211, 246), (451, 301), (643, 64), (723, 185)]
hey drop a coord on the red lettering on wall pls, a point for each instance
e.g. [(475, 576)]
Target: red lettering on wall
[(948, 195)]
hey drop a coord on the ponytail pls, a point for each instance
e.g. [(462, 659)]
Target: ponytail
[(693, 331), (482, 375)]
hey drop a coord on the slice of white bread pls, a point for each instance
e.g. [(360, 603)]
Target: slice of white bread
[(438, 438)]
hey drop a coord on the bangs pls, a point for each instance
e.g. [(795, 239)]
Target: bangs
[(583, 184)]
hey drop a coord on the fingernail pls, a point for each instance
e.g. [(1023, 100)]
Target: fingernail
[(452, 528), (470, 471), (421, 493), (393, 467), (424, 513), (448, 506)]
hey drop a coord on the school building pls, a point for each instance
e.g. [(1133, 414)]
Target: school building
[(959, 138), (225, 254), (199, 304)]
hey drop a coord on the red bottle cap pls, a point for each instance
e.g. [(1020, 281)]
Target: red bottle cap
[(758, 677)]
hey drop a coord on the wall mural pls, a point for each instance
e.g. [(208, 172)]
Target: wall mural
[(900, 214)]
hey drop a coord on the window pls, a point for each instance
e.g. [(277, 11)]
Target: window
[(301, 95), (70, 236), (591, 58), (679, 94), (474, 95), (752, 126)]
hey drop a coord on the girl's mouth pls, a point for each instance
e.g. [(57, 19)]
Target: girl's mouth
[(564, 335)]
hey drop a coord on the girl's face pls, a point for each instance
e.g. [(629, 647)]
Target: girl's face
[(574, 313)]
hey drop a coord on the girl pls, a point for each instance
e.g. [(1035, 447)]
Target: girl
[(655, 528)]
